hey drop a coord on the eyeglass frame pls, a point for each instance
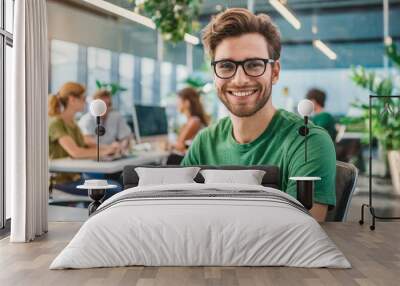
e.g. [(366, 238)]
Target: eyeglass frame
[(241, 63)]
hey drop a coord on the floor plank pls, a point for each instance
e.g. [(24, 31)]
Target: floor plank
[(375, 257)]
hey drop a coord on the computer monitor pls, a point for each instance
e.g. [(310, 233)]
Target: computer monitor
[(149, 121)]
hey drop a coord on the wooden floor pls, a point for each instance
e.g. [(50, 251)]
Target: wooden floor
[(374, 255)]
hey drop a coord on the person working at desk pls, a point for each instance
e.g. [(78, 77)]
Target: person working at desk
[(65, 137), (117, 134), (321, 117), (189, 105), (245, 51)]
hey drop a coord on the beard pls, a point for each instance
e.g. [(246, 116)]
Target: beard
[(244, 110)]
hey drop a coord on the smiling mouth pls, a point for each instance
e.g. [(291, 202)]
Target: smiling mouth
[(243, 93)]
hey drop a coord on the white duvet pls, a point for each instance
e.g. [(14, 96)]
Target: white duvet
[(188, 231)]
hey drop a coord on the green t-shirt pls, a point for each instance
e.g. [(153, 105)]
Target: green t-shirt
[(278, 145), (326, 121), (57, 129)]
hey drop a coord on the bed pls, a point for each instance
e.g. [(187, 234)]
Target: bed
[(201, 224)]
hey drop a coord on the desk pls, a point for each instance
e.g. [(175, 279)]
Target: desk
[(374, 255), (354, 135), (92, 166), (69, 165), (349, 148)]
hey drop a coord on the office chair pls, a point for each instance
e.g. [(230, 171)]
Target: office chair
[(346, 180)]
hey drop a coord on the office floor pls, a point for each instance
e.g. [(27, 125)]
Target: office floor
[(374, 255), (68, 213), (385, 201)]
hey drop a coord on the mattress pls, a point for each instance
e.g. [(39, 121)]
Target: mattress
[(201, 225)]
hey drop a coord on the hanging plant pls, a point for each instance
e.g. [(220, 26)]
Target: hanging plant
[(173, 18)]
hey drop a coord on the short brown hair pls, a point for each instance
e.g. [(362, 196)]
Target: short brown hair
[(318, 95), (235, 22), (101, 93)]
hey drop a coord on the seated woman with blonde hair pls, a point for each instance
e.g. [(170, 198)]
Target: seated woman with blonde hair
[(65, 137)]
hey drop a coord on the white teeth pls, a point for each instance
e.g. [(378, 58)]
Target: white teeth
[(243, 93)]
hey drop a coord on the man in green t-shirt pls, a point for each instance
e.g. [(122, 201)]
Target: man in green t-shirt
[(321, 117), (245, 52)]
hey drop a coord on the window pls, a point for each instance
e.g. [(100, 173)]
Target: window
[(99, 68), (6, 43), (148, 68), (181, 76), (126, 80), (64, 63), (166, 81)]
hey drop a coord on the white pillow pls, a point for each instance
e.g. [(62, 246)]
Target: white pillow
[(165, 176), (249, 177)]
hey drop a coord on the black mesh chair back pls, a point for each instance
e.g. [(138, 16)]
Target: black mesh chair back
[(346, 180)]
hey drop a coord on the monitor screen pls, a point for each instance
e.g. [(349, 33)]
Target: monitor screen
[(152, 120)]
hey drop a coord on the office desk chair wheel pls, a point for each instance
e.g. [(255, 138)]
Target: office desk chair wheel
[(361, 222)]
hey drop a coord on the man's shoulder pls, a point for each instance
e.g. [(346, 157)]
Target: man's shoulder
[(290, 118), (318, 138), (217, 129), (212, 135), (295, 121), (289, 125), (202, 151)]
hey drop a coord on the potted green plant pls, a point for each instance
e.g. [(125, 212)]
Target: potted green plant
[(385, 112), (114, 88)]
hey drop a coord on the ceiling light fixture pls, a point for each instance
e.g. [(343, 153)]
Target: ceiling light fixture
[(191, 39), (119, 11), (284, 11), (388, 41), (135, 17), (325, 49)]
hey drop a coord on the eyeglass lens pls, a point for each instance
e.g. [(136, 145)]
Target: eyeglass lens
[(227, 69)]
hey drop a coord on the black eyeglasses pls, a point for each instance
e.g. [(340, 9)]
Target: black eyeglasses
[(252, 67)]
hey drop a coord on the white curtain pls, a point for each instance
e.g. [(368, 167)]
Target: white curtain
[(26, 123)]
